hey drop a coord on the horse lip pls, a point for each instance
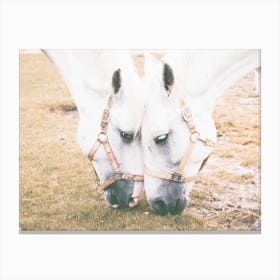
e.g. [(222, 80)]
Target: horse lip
[(134, 202), (120, 194)]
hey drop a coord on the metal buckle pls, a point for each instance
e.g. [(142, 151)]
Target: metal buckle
[(195, 137), (186, 113), (176, 177), (102, 137), (106, 115), (118, 175)]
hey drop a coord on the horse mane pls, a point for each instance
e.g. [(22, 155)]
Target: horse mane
[(211, 72)]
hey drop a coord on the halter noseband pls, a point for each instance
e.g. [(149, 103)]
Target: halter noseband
[(194, 137), (102, 139)]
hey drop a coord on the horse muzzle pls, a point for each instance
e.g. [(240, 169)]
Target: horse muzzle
[(170, 199), (123, 193)]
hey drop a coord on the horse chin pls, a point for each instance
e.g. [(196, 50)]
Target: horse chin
[(169, 198), (120, 194)]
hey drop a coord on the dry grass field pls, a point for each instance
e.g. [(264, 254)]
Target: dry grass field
[(57, 183)]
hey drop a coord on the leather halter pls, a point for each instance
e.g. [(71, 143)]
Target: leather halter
[(102, 139), (194, 137)]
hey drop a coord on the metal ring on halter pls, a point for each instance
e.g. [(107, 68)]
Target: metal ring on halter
[(118, 175), (102, 137), (195, 137)]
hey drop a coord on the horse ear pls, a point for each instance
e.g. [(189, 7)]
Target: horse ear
[(168, 77), (116, 81)]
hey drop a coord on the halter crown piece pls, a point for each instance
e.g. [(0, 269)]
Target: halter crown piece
[(102, 139), (194, 138)]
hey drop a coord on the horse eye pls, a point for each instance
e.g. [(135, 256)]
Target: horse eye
[(161, 139), (127, 136)]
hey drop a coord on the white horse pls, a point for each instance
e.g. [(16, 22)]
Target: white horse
[(107, 92), (178, 132)]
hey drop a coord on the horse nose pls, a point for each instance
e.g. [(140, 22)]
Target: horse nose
[(163, 207), (117, 198), (119, 194)]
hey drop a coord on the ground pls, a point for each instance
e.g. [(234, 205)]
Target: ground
[(56, 180), (230, 182)]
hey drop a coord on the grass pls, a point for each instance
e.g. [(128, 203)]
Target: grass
[(57, 193)]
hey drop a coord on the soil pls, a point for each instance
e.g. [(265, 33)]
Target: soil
[(230, 181)]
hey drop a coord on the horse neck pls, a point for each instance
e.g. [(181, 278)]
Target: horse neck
[(211, 72)]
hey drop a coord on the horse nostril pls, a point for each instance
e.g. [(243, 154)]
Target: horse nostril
[(111, 198), (160, 207), (178, 203), (178, 207)]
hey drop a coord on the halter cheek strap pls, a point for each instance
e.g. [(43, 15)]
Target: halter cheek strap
[(194, 138), (102, 139)]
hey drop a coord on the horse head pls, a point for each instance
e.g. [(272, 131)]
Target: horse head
[(178, 132), (107, 92)]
